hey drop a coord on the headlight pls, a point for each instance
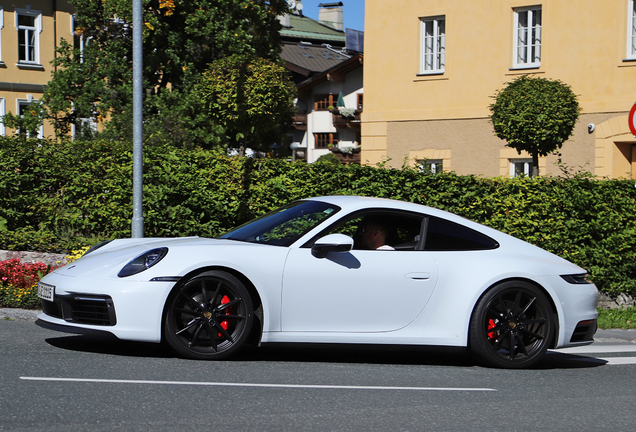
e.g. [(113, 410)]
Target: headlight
[(143, 262), (577, 279)]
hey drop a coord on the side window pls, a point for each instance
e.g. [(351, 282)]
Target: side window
[(1, 27), (430, 166), (631, 30), (443, 235), (520, 167), (400, 231), (28, 23), (433, 45), (23, 106), (2, 113), (527, 39)]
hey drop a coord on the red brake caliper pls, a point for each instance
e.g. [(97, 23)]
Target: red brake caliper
[(225, 324), (491, 325)]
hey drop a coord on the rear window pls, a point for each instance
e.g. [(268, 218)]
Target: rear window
[(443, 235)]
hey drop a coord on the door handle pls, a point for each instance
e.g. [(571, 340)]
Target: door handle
[(418, 276)]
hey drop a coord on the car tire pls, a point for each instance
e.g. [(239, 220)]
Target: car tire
[(208, 317), (511, 326)]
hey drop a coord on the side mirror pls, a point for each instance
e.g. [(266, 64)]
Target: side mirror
[(331, 243)]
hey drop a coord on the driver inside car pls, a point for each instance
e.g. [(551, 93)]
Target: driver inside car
[(373, 235)]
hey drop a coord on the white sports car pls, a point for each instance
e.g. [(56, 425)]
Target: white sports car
[(330, 270)]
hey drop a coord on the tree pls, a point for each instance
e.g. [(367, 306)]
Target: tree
[(180, 40), (250, 97), (535, 115)]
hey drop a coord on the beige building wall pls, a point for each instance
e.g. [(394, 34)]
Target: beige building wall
[(24, 80), (408, 112)]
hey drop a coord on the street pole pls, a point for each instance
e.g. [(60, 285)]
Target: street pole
[(138, 218)]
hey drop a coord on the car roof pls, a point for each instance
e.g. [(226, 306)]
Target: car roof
[(353, 203)]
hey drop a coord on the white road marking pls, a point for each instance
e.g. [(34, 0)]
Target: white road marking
[(618, 360), (612, 361), (593, 349), (222, 384), (600, 349)]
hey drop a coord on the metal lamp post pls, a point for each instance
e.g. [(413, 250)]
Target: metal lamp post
[(138, 218)]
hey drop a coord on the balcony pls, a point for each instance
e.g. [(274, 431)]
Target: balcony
[(299, 121), (343, 122), (348, 157)]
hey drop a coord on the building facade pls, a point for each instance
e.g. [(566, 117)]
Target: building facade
[(432, 68), (326, 65), (329, 107), (29, 33)]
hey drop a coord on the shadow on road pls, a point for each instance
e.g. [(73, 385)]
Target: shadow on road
[(110, 346), (316, 353)]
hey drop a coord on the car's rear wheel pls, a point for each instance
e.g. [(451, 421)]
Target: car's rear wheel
[(208, 317), (511, 326)]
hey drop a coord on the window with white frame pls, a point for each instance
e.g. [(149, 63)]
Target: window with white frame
[(29, 26), (2, 113), (430, 166), (527, 44), (1, 27), (631, 30), (84, 128), (23, 106), (519, 167), (433, 45), (79, 40)]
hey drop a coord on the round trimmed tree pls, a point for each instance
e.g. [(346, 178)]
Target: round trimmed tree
[(535, 115), (252, 98)]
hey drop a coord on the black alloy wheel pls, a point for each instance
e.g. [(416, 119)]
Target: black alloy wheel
[(209, 317), (511, 326)]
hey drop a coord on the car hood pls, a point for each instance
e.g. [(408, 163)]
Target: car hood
[(114, 255)]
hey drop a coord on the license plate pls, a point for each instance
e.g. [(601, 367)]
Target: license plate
[(46, 291)]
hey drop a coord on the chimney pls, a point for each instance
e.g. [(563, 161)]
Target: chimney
[(285, 20), (331, 14), (295, 8)]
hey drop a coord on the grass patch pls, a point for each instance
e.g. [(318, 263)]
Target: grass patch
[(617, 318)]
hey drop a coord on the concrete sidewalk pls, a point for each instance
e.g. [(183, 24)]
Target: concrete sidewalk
[(611, 335)]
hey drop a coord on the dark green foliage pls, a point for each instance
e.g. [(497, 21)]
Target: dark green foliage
[(57, 195), (535, 115), (329, 159), (251, 97), (180, 40)]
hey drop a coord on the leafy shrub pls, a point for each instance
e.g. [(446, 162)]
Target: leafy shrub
[(328, 158), (60, 195)]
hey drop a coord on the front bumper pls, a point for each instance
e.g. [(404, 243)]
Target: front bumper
[(126, 309), (82, 309)]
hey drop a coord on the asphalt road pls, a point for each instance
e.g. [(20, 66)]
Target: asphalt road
[(59, 382)]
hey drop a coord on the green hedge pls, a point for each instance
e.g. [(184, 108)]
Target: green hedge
[(57, 196)]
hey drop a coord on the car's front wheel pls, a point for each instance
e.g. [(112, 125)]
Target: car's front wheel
[(208, 317), (511, 326)]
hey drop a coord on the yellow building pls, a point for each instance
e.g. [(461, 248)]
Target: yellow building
[(432, 66), (29, 33)]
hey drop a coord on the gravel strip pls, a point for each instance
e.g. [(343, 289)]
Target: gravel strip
[(19, 314)]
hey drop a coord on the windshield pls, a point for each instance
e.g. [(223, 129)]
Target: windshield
[(284, 226)]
